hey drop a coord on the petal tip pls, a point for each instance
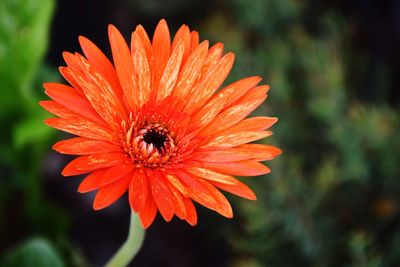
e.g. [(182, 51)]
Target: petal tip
[(111, 27), (56, 147), (112, 31), (231, 55), (49, 121), (84, 42), (62, 69), (98, 205), (258, 77), (82, 39), (251, 196), (191, 223), (67, 55), (219, 45), (278, 151), (43, 103), (80, 190), (46, 85), (146, 224), (227, 213), (65, 173), (162, 22), (139, 27)]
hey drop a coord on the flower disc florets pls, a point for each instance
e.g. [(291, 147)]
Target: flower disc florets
[(150, 145)]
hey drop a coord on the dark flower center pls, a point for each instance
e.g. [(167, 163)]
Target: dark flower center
[(150, 146), (156, 137)]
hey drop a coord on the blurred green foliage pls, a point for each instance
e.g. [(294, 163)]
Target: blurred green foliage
[(24, 34), (35, 252)]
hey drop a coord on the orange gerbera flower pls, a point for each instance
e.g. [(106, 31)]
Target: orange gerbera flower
[(155, 124)]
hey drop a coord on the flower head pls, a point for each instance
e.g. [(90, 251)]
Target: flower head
[(155, 123)]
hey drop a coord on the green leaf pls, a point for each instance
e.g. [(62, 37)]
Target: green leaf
[(32, 130), (24, 30), (36, 252)]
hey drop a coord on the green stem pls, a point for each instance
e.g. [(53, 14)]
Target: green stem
[(131, 246)]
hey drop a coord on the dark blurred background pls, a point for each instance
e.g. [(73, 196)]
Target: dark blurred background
[(333, 196)]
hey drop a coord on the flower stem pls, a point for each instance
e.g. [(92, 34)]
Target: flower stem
[(131, 246)]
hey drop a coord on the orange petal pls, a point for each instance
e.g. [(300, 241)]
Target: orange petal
[(161, 52), (240, 168), (162, 195), (176, 182), (178, 201), (84, 146), (59, 110), (182, 35), (239, 189), (190, 71), (73, 65), (194, 39), (213, 56), (211, 175), (210, 83), (258, 152), (124, 66), (191, 214), (252, 124), (71, 61), (220, 100), (141, 69), (197, 191), (71, 170), (97, 58), (223, 207), (237, 112), (170, 75), (236, 90), (144, 38), (84, 164), (108, 194), (82, 128), (69, 98), (100, 94), (148, 213), (91, 182), (100, 161), (138, 190), (71, 80), (208, 112), (236, 139), (117, 172)]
